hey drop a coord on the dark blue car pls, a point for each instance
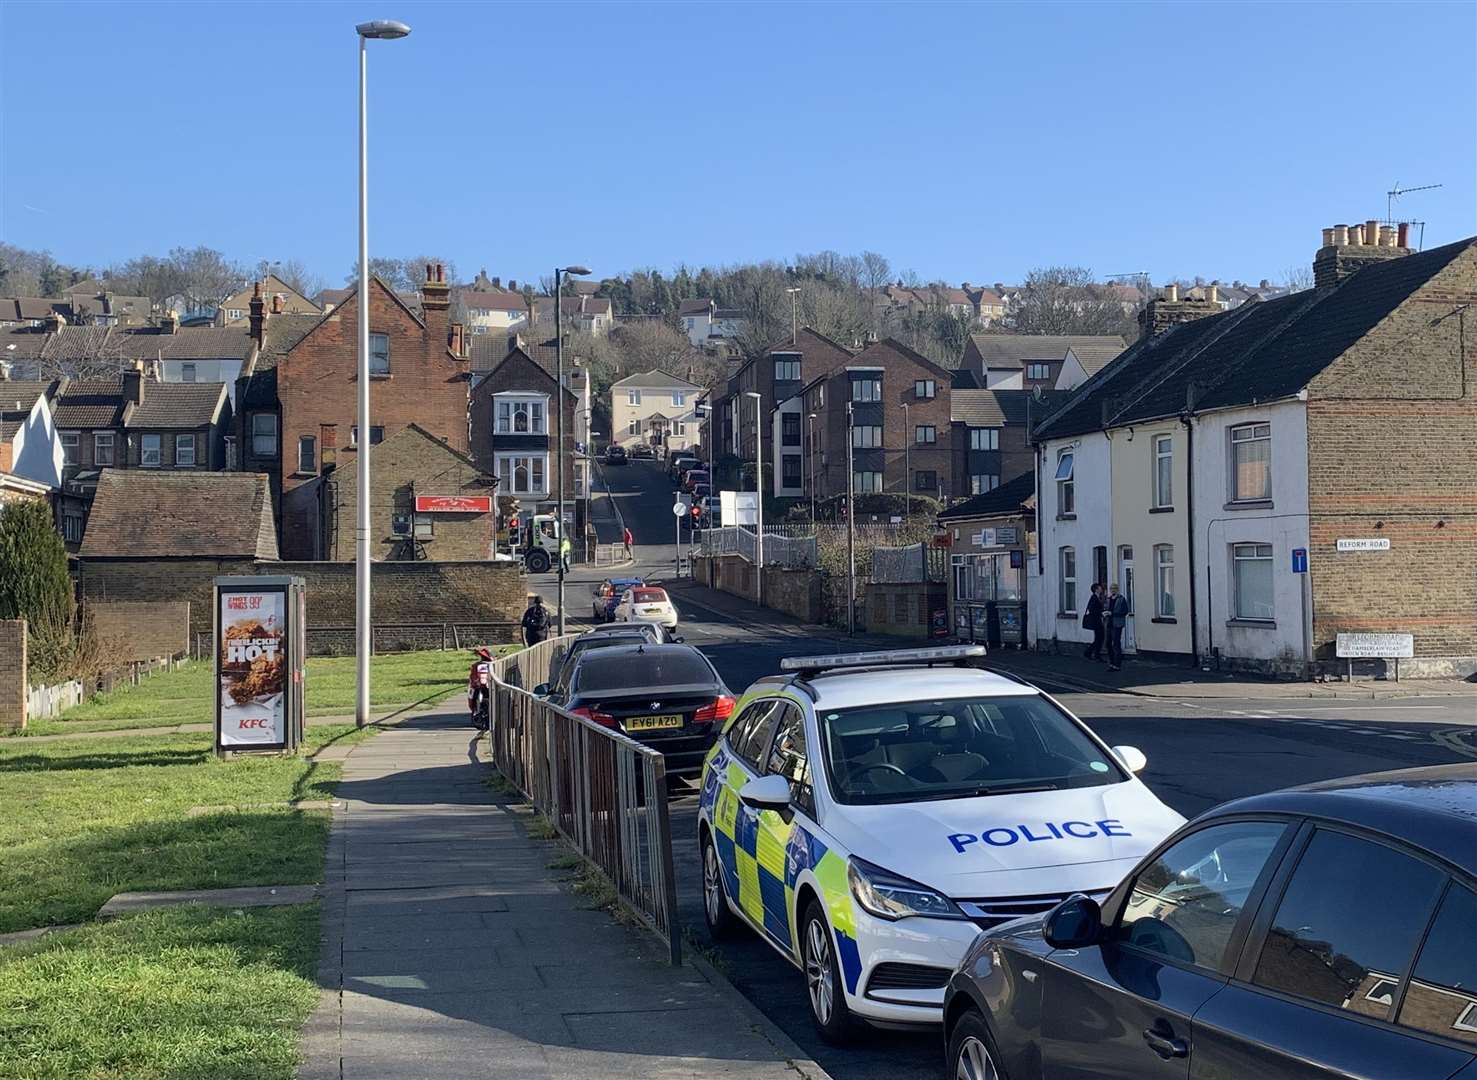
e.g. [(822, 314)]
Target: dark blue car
[(608, 594), (1318, 932)]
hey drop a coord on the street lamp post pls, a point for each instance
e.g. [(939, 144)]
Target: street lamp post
[(850, 525), (907, 465), (794, 292), (758, 497), (810, 453), (381, 30), (559, 273)]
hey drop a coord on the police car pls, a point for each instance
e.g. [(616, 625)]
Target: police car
[(868, 814)]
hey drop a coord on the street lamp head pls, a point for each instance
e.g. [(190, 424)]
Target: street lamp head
[(752, 394), (382, 29), (793, 289), (579, 271)]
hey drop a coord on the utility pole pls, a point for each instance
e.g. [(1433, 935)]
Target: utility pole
[(810, 453), (559, 273), (758, 497), (794, 314), (850, 527), (907, 465)]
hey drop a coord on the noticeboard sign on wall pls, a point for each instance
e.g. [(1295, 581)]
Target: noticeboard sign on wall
[(1375, 646)]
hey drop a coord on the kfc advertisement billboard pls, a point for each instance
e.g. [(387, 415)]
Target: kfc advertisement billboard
[(252, 668)]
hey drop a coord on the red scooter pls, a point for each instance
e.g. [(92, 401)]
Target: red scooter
[(479, 691)]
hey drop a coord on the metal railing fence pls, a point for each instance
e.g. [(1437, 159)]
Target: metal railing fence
[(796, 552), (606, 794)]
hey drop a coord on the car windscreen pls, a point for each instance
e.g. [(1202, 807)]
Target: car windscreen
[(605, 670), (958, 748), (603, 641), (649, 596)]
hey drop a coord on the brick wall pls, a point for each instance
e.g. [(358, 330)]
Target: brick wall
[(520, 373), (141, 629), (14, 683), (1391, 454), (795, 592), (413, 601), (317, 387)]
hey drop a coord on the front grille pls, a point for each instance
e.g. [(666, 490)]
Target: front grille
[(990, 913), (907, 977)]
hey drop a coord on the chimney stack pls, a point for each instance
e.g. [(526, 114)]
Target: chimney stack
[(277, 303), (169, 323), (1213, 293), (458, 340), (1167, 310), (257, 319), (133, 383), (435, 294), (1347, 248)]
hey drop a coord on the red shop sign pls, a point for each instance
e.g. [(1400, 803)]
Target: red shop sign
[(453, 504)]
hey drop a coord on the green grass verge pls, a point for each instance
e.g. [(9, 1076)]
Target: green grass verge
[(185, 696), (198, 993), (81, 820)]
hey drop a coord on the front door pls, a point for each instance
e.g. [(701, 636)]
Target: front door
[(1125, 583), (1123, 1008)]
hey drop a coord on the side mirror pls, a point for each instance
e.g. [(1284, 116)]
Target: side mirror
[(542, 689), (677, 639), (1132, 757), (770, 792), (1075, 923)]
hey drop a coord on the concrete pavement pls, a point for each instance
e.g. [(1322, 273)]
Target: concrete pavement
[(450, 948)]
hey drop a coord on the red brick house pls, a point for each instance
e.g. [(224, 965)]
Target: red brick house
[(418, 369)]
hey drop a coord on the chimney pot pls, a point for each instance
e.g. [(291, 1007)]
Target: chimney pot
[(1213, 293), (1340, 235), (440, 272), (1328, 237), (277, 303), (430, 273), (1356, 235), (1402, 235), (1172, 292), (1371, 232)]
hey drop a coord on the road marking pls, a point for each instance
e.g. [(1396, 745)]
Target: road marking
[(1369, 708)]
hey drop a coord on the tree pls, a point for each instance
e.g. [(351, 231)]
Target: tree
[(34, 584), (1299, 278), (1065, 300), (294, 273)]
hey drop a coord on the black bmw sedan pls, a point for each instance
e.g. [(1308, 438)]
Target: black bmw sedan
[(1317, 932)]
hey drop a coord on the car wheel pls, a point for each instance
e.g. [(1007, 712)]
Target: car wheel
[(972, 1051), (828, 1009), (723, 924)]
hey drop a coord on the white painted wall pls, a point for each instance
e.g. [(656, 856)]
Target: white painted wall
[(1005, 379), (697, 327), (1071, 374), (1283, 524), (206, 371), (654, 399), (1092, 526), (36, 449), (1137, 525)]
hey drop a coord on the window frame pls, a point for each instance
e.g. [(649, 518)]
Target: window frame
[(1066, 486), (767, 706), (99, 439), (858, 443), (807, 805), (1038, 366), (275, 435), (989, 436), (925, 389), (1161, 451), (1236, 560), (799, 470), (1063, 553), (143, 450), (375, 353), (920, 475), (1233, 442), (633, 397), (783, 365), (858, 488), (179, 444), (925, 435), (867, 380), (983, 483), (187, 372), (1160, 567), (509, 485), (307, 443), (73, 458)]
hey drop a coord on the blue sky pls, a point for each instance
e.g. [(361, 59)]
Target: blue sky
[(963, 141)]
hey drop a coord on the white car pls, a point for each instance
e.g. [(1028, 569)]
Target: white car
[(646, 603), (868, 814)]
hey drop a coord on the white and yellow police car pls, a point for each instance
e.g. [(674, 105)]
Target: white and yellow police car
[(868, 814)]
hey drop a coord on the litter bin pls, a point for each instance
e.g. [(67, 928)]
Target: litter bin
[(1012, 621)]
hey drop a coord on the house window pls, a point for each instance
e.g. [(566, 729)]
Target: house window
[(150, 453), (1067, 585), (102, 448), (790, 429), (925, 480), (925, 389), (1100, 567), (1038, 372), (1251, 581), (376, 435), (72, 528), (1251, 462), (980, 483), (71, 440), (264, 434), (634, 428), (984, 438), (520, 417), (866, 436), (866, 483), (791, 470), (1066, 494), (867, 389), (679, 427), (187, 373), (679, 399), (633, 397), (184, 450), (925, 435), (522, 474), (235, 313), (307, 454), (1163, 471), (379, 354), (787, 370), (1164, 581)]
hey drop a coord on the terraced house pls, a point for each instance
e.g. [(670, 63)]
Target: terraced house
[(1262, 480)]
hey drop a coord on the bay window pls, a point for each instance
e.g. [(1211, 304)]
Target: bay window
[(522, 474)]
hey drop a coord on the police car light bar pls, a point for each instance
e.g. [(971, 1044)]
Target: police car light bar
[(943, 654)]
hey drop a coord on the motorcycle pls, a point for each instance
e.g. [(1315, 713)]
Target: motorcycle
[(479, 691)]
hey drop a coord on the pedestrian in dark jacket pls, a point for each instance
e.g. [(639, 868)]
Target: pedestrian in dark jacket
[(1115, 615), (1092, 619), (535, 622)]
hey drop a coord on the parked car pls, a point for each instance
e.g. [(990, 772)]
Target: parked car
[(895, 804), (608, 594), (565, 662), (685, 460), (667, 696), (646, 603), (642, 450), (691, 478), (1317, 932), (712, 512), (615, 454), (654, 633)]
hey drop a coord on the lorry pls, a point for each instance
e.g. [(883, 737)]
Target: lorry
[(535, 542)]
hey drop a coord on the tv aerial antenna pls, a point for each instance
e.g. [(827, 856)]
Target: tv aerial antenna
[(1395, 193)]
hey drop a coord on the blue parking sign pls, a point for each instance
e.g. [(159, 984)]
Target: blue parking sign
[(1299, 560)]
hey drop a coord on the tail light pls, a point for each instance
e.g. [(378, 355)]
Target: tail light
[(721, 709), (598, 717)]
